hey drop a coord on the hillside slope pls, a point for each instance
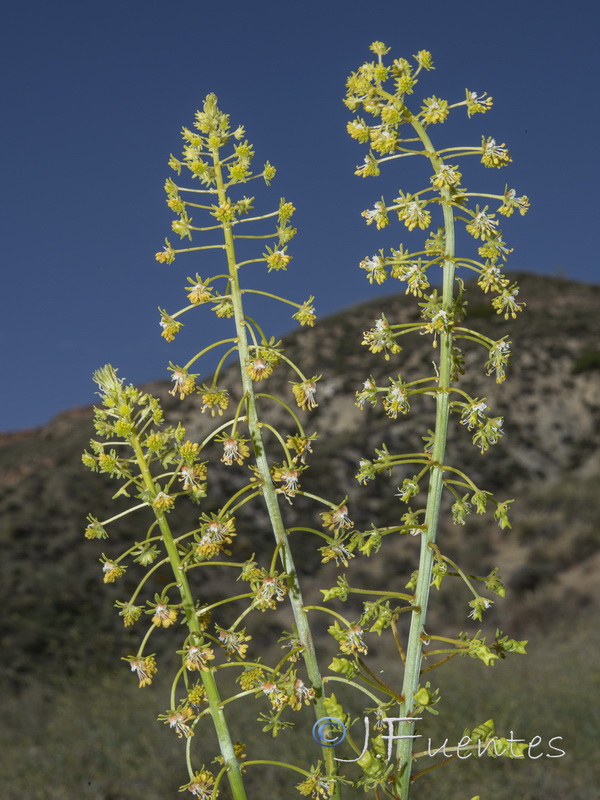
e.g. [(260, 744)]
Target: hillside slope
[(59, 614)]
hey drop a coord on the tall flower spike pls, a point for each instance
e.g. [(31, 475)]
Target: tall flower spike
[(208, 158), (369, 91)]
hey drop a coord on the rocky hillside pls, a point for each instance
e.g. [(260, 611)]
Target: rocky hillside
[(58, 612)]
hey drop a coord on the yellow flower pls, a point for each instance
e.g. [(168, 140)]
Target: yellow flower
[(446, 176), (277, 698), (306, 313), (199, 291), (269, 591), (129, 612), (318, 787), (405, 84), (435, 110), (301, 693), (352, 641), (375, 268), (396, 399), (216, 534), (193, 477), (337, 552), (258, 369), (506, 302), (377, 214), (250, 678), (511, 201), (414, 274), (145, 667), (109, 463), (482, 225), (189, 451), (175, 203), (170, 327), (112, 571), (277, 259), (183, 225), (338, 518), (175, 164), (154, 442), (197, 695), (305, 393), (95, 530), (224, 308), (289, 478), (163, 501), (269, 172), (201, 785), (491, 278), (414, 214), (234, 642), (379, 48), (197, 657), (381, 338), (383, 140), (238, 172), (439, 323), (286, 211), (167, 255), (162, 614), (235, 448), (424, 59), (369, 168), (301, 445), (477, 104), (214, 400), (183, 383), (179, 719), (224, 213), (358, 130), (494, 155), (494, 248)]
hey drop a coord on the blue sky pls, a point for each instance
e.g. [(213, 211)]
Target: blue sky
[(95, 95)]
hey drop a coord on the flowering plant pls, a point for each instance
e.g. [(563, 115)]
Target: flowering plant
[(162, 466), (380, 91)]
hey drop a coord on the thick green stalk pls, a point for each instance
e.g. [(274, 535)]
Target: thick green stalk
[(414, 652), (234, 774), (268, 489)]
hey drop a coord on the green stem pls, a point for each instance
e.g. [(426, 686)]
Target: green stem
[(401, 595), (414, 651), (232, 599), (287, 408), (206, 349), (269, 494), (174, 686), (278, 764), (356, 686), (273, 296)]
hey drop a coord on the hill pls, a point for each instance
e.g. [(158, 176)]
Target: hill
[(57, 611)]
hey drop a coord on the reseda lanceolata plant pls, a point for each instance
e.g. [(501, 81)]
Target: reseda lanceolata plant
[(395, 132), (160, 466)]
